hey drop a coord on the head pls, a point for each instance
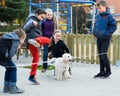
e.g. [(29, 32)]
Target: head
[(49, 14), (102, 6), (57, 35), (67, 58), (21, 34), (41, 14)]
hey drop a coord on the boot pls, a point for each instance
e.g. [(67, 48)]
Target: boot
[(6, 87), (14, 89)]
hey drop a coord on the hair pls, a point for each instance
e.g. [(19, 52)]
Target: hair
[(57, 31), (52, 39), (102, 3), (55, 22), (39, 11), (20, 33), (48, 11)]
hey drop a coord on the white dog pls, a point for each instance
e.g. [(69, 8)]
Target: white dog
[(62, 66)]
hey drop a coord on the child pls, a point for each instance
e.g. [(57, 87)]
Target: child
[(48, 27), (34, 39), (9, 43), (104, 27), (57, 46)]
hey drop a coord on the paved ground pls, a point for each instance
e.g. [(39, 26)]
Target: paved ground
[(81, 83)]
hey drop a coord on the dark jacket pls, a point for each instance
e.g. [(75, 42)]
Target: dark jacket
[(48, 28), (8, 46), (32, 31), (104, 26), (58, 49)]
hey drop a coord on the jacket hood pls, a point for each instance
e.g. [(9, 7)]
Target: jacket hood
[(33, 15), (11, 36)]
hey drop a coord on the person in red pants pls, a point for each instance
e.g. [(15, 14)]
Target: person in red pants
[(34, 40)]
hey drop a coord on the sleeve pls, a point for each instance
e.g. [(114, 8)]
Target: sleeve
[(13, 49), (42, 27), (65, 48), (28, 25), (112, 26)]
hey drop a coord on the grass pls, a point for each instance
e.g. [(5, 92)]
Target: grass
[(50, 67)]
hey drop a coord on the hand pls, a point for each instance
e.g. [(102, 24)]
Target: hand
[(35, 23)]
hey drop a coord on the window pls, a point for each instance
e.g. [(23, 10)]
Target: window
[(112, 9)]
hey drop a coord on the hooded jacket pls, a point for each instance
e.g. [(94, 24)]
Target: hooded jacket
[(31, 30), (8, 46), (104, 26)]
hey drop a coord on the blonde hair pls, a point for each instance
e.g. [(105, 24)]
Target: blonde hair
[(52, 39), (20, 33), (57, 31), (48, 11)]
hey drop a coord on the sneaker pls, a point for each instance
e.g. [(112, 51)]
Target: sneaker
[(99, 75), (34, 81), (43, 70), (33, 42)]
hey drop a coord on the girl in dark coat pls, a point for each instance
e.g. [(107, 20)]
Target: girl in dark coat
[(58, 47)]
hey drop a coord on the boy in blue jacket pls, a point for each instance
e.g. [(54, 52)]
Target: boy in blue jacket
[(104, 27), (9, 43)]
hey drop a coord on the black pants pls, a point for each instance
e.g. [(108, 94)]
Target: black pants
[(102, 46)]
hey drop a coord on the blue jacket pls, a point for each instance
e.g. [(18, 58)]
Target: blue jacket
[(8, 46), (104, 26)]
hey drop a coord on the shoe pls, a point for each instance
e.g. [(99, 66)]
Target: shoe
[(43, 70), (16, 90), (33, 42), (34, 81), (106, 75), (99, 75), (6, 88), (13, 89)]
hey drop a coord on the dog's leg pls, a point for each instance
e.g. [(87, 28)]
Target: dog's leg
[(59, 74)]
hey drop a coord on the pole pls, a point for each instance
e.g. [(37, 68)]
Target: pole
[(71, 24), (57, 10), (93, 17), (76, 20), (30, 7)]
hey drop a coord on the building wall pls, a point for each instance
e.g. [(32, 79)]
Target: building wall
[(116, 4)]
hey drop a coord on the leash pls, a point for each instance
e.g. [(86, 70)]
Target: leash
[(49, 61)]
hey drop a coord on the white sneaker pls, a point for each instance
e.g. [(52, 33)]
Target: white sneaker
[(33, 42)]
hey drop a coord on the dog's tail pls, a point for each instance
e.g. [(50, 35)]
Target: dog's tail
[(52, 61)]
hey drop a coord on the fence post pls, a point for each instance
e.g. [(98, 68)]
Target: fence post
[(92, 49), (87, 37), (118, 51), (114, 50)]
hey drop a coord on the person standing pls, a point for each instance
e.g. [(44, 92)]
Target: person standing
[(35, 40), (48, 27), (104, 27)]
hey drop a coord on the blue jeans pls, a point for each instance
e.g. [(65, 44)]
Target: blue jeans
[(102, 46), (11, 71), (45, 56)]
